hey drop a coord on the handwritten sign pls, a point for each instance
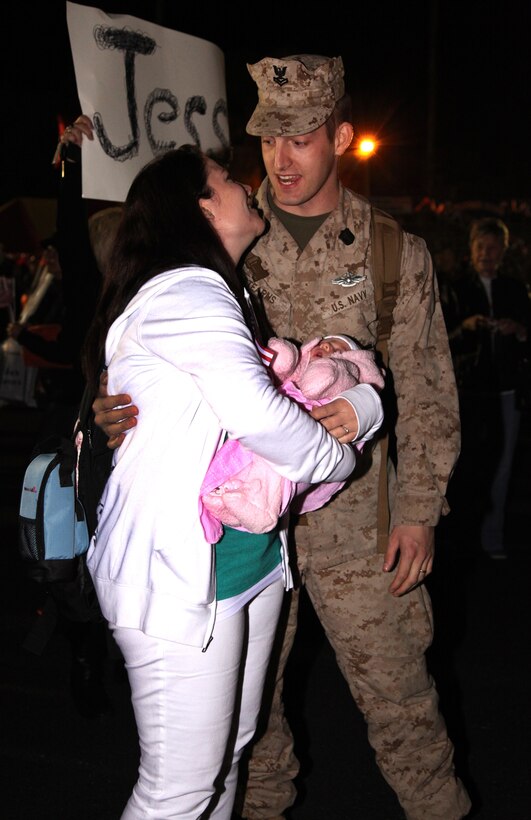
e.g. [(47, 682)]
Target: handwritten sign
[(147, 89)]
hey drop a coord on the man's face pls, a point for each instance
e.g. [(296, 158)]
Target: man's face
[(486, 254), (302, 171)]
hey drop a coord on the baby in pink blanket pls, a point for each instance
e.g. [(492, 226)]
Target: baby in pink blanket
[(243, 491)]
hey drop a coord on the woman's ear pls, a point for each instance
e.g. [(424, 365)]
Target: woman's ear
[(207, 212)]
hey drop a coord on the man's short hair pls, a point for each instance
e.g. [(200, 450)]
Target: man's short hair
[(491, 226), (342, 113)]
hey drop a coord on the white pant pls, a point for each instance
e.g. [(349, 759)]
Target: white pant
[(195, 711)]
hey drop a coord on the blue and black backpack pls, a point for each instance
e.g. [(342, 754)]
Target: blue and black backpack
[(62, 485), (53, 529)]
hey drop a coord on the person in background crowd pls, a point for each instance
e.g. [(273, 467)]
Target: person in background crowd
[(445, 269), (63, 348), (491, 342), (313, 269), (16, 275), (194, 620), (43, 303), (81, 245)]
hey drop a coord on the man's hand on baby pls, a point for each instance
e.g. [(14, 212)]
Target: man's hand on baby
[(339, 418)]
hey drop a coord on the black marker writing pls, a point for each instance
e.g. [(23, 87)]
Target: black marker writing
[(195, 105), (156, 96), (220, 108), (131, 43)]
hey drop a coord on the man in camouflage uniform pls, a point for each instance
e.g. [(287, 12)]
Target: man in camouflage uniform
[(312, 271)]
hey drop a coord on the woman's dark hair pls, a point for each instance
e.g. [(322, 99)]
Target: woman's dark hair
[(162, 227)]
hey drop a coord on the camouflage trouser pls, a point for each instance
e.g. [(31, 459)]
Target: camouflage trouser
[(379, 643)]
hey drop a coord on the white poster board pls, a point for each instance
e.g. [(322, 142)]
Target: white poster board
[(146, 89)]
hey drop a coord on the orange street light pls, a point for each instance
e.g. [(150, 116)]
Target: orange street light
[(366, 146)]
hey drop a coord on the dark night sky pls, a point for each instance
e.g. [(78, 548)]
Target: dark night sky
[(463, 69)]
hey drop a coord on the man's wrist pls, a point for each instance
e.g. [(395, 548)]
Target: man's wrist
[(367, 406)]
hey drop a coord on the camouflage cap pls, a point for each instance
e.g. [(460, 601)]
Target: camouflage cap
[(296, 94)]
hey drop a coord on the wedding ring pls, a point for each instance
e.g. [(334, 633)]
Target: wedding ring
[(347, 431), (422, 572)]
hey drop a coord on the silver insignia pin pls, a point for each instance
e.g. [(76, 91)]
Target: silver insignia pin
[(348, 279)]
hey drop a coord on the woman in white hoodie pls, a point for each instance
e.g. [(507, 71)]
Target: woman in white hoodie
[(195, 621)]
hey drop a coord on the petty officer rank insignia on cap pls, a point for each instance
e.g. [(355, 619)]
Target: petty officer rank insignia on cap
[(280, 75)]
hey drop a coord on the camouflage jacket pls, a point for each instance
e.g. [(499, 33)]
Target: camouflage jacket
[(327, 288)]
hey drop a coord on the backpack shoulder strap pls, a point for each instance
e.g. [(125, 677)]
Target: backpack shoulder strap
[(84, 413), (386, 244), (386, 241)]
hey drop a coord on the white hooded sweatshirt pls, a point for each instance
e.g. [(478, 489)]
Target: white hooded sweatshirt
[(182, 350)]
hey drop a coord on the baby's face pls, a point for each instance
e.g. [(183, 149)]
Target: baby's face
[(326, 347)]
